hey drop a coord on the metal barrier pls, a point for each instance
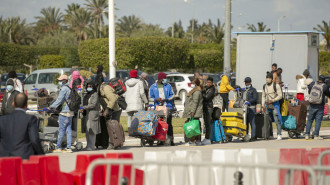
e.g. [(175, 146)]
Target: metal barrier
[(189, 172), (321, 170)]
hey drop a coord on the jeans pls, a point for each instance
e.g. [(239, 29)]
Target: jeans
[(207, 113), (314, 112), (65, 124), (275, 113), (225, 101), (251, 121)]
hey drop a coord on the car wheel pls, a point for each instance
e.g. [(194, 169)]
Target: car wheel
[(182, 93)]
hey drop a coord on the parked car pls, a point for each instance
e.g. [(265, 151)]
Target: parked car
[(122, 74), (182, 83), (43, 78), (4, 78)]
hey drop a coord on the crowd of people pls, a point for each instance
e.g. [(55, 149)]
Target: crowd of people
[(101, 103)]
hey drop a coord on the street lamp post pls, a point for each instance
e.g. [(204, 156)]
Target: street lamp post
[(226, 66), (278, 22), (193, 21), (172, 18), (112, 57)]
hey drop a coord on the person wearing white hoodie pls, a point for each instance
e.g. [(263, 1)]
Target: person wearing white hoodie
[(135, 96), (302, 90)]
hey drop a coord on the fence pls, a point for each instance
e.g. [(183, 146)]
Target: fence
[(212, 173)]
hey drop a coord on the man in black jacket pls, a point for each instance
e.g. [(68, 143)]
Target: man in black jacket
[(8, 98), (208, 95), (19, 132), (250, 97)]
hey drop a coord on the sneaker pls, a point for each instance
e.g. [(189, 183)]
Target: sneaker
[(279, 137), (307, 137), (67, 150), (190, 144), (57, 150), (198, 143), (206, 142), (318, 138)]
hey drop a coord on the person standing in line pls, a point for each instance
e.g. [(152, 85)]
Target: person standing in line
[(302, 89), (18, 84), (135, 96), (193, 108), (225, 87), (65, 117), (317, 92), (144, 77), (8, 98), (91, 108), (162, 94), (76, 75), (208, 95), (271, 95), (19, 132)]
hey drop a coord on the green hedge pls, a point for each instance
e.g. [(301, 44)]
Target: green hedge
[(51, 61), (151, 53), (70, 55), (324, 62)]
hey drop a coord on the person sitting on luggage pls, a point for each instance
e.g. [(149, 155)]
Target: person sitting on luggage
[(162, 94), (65, 117), (317, 92), (250, 97), (91, 107), (111, 110), (208, 95), (19, 132), (271, 94), (193, 108), (8, 98), (135, 96), (225, 87), (302, 89)]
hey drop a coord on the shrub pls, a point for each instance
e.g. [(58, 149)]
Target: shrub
[(51, 61), (70, 55), (324, 62)]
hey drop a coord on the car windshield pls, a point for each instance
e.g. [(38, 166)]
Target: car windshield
[(191, 78)]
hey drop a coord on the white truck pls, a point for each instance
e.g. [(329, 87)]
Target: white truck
[(292, 51)]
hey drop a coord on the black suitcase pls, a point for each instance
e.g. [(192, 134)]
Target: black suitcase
[(102, 139), (263, 124), (53, 121)]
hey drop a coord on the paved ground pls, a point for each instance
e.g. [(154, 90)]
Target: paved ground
[(68, 160)]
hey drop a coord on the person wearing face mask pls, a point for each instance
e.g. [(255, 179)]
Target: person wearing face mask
[(250, 97), (8, 97), (91, 109), (135, 96), (65, 117), (162, 94), (271, 95)]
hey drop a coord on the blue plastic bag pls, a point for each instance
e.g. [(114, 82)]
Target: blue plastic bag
[(289, 122)]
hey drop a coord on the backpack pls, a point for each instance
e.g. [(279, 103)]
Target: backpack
[(118, 85), (75, 100), (316, 94)]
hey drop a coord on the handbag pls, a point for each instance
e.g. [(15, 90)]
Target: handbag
[(191, 128), (122, 102), (238, 103)]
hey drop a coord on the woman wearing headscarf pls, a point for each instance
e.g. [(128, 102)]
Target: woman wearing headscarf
[(91, 108), (76, 75), (193, 108)]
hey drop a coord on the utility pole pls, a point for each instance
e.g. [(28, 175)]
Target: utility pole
[(172, 18), (112, 57), (227, 63)]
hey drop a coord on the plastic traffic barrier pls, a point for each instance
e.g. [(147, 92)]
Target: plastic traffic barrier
[(292, 156), (29, 173), (311, 158), (82, 163), (8, 173)]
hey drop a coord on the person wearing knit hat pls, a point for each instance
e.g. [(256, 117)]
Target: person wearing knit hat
[(162, 94), (8, 97), (135, 98), (271, 95)]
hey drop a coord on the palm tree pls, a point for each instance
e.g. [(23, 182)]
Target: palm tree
[(326, 33), (213, 32), (98, 10), (148, 30), (261, 27), (51, 21), (127, 25), (71, 9), (78, 19), (178, 30)]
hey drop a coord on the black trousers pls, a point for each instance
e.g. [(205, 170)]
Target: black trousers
[(225, 101), (170, 126)]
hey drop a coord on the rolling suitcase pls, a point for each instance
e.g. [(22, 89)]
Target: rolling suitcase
[(300, 113), (102, 139), (116, 133), (233, 123), (263, 124), (217, 132)]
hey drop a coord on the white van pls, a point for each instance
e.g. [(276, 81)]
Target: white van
[(43, 78)]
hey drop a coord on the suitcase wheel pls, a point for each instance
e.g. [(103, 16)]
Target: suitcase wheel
[(291, 134), (151, 142), (229, 138), (79, 146)]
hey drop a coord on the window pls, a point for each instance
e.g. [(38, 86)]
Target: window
[(46, 78), (178, 79), (31, 79), (191, 78), (170, 78)]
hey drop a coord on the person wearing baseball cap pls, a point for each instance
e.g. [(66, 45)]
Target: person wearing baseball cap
[(162, 94), (65, 117), (250, 97)]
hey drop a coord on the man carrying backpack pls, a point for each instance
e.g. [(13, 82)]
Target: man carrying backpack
[(65, 117), (317, 91), (271, 95)]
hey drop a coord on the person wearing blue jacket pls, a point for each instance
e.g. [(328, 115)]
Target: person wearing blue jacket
[(65, 117), (162, 94)]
